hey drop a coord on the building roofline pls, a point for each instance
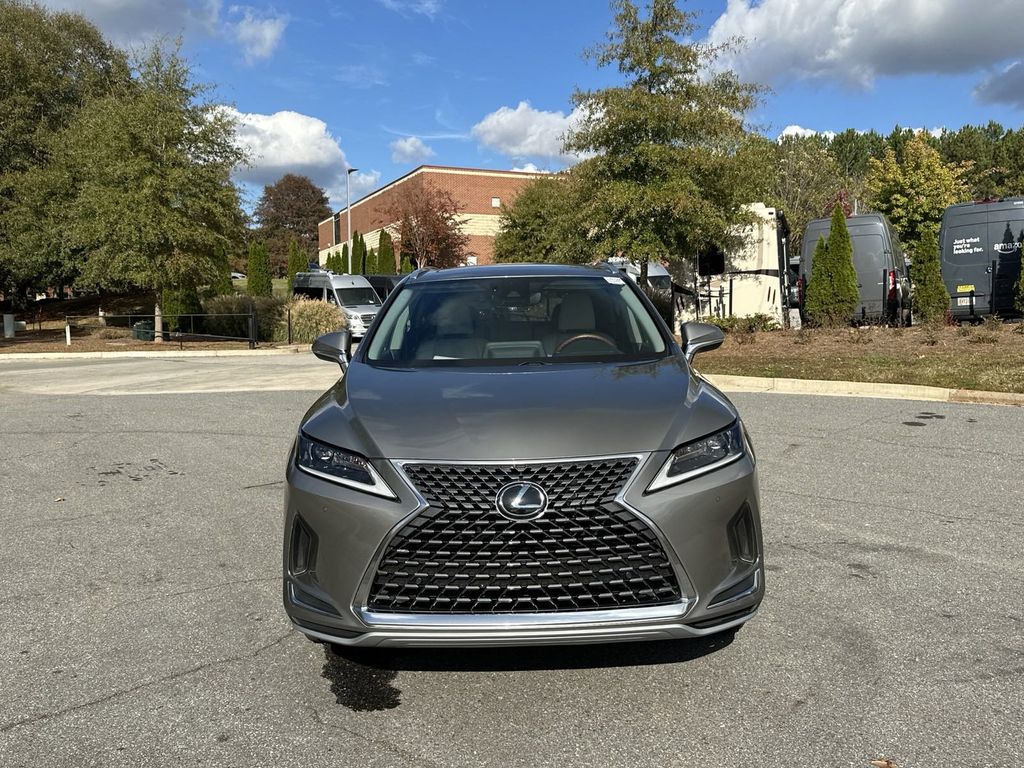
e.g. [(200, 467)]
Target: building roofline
[(454, 169)]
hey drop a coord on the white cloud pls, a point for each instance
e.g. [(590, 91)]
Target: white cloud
[(257, 34), (410, 149), (137, 22), (530, 168), (290, 142), (856, 41), (525, 132), (134, 22), (799, 130), (1003, 87), (428, 8)]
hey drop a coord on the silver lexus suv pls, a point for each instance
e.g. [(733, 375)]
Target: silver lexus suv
[(520, 454)]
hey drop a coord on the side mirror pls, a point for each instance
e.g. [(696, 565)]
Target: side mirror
[(334, 347), (701, 337)]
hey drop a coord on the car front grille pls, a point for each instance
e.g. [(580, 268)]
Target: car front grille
[(367, 319), (460, 556)]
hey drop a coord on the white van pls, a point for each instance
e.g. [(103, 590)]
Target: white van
[(353, 293)]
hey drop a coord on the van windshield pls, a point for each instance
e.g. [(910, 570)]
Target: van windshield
[(354, 297), (513, 320)]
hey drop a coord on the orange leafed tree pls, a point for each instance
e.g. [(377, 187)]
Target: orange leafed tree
[(428, 231)]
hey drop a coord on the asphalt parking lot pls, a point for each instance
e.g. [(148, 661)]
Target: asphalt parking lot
[(140, 618)]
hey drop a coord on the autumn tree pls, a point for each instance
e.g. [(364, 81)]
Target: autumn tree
[(915, 189), (290, 209), (663, 176), (429, 229)]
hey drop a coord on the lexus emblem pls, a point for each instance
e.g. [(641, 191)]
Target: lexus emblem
[(521, 501)]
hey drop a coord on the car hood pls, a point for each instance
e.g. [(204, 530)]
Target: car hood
[(362, 309), (532, 412)]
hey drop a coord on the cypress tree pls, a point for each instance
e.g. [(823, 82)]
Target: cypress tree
[(296, 262), (832, 294), (386, 254), (259, 281), (931, 299), (343, 260)]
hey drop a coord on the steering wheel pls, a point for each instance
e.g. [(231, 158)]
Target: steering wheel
[(582, 336)]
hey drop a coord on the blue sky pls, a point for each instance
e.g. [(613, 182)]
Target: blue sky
[(385, 85)]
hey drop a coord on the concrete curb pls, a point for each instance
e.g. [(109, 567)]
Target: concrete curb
[(293, 349), (729, 383)]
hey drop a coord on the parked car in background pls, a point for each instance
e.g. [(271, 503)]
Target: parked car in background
[(981, 256), (883, 271), (352, 293), (384, 284), (238, 275), (520, 454)]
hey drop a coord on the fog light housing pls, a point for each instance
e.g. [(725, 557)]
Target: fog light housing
[(743, 536), (303, 549)]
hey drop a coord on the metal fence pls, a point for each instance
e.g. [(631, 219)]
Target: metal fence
[(179, 328)]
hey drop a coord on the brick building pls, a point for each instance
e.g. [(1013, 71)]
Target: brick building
[(478, 193)]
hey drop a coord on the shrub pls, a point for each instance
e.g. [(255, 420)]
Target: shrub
[(309, 319), (832, 293), (268, 314), (112, 333), (175, 303), (931, 300), (751, 324), (259, 281)]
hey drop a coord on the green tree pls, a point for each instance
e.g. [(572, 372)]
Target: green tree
[(913, 191), (805, 181), (664, 176), (156, 202), (931, 299), (832, 293), (540, 225), (852, 152), (222, 284), (51, 65), (297, 262), (386, 253), (258, 276), (177, 304)]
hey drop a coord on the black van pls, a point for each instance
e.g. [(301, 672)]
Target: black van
[(981, 248), (882, 270), (384, 284)]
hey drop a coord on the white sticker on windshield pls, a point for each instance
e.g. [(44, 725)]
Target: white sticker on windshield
[(614, 280)]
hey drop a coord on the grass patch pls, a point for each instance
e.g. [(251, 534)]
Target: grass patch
[(989, 358), (279, 286)]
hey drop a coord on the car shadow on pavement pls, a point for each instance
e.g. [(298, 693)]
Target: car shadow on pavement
[(362, 679)]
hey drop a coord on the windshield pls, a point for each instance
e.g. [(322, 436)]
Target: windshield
[(660, 282), (353, 297), (515, 320)]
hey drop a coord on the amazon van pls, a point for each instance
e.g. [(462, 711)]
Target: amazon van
[(981, 255)]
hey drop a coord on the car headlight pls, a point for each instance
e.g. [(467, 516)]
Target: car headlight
[(700, 457), (342, 467)]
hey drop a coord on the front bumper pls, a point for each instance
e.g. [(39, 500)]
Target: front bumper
[(692, 520)]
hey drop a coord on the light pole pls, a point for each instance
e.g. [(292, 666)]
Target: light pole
[(348, 210)]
